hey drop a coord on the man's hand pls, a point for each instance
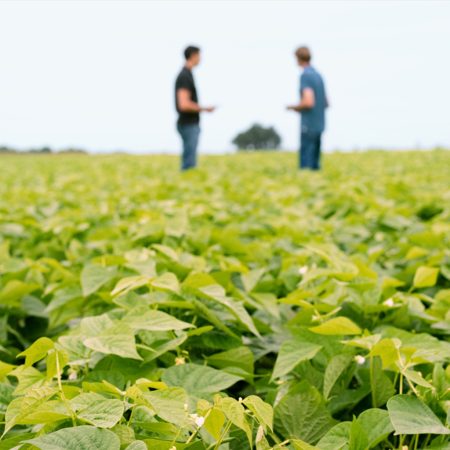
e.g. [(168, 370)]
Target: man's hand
[(209, 109), (292, 108)]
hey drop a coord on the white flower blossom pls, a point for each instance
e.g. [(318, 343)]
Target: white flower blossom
[(180, 360), (389, 302), (199, 421), (360, 359), (303, 270), (73, 375)]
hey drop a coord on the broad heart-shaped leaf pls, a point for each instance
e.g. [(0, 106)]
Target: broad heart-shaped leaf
[(235, 413), (297, 444), (409, 415), (137, 445), (21, 407), (376, 425), (425, 277), (302, 414), (84, 437), (382, 388), (37, 351), (263, 411), (198, 380), (141, 318), (129, 283), (97, 410), (237, 358), (367, 431), (169, 404), (337, 326), (217, 293), (293, 352), (94, 276), (116, 340), (5, 369), (336, 438), (337, 365), (167, 282)]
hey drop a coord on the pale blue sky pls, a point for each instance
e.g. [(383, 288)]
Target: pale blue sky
[(99, 75)]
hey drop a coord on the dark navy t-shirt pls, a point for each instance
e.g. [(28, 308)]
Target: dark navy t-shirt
[(313, 120), (185, 80)]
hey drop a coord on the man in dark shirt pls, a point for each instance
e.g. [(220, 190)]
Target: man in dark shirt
[(313, 102), (186, 103)]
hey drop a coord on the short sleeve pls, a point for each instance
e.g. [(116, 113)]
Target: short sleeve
[(183, 82), (306, 81)]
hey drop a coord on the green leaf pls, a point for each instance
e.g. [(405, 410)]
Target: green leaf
[(336, 438), (217, 293), (241, 358), (141, 318), (376, 424), (117, 340), (5, 369), (169, 404), (77, 438), (14, 291), (382, 388), (21, 407), (292, 353), (167, 282), (297, 444), (262, 410), (235, 413), (335, 368), (137, 445), (28, 378), (425, 277), (93, 277), (214, 422), (198, 380), (337, 326), (302, 414), (97, 410), (409, 415), (37, 351), (358, 439), (129, 284), (57, 358)]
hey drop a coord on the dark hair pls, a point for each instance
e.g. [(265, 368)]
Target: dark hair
[(303, 54), (191, 50)]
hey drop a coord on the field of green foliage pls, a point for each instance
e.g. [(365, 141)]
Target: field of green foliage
[(243, 305)]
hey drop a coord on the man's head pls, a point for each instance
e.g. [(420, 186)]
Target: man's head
[(303, 56), (192, 55)]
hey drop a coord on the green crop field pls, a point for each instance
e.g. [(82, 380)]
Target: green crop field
[(242, 305)]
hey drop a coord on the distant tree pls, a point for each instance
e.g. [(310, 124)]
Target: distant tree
[(4, 149), (41, 150), (258, 138), (73, 150)]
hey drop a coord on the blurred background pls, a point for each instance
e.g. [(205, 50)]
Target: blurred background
[(99, 75)]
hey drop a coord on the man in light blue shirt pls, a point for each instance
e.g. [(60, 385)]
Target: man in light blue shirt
[(313, 102)]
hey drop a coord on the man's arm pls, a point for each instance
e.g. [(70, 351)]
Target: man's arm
[(185, 103), (307, 101)]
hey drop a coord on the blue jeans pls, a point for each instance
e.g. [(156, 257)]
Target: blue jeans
[(189, 135), (310, 150)]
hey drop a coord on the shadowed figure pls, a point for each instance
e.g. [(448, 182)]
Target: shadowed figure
[(313, 102), (188, 108)]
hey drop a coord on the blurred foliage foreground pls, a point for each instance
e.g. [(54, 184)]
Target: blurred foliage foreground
[(241, 305)]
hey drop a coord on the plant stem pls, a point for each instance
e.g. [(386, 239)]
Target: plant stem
[(222, 436)]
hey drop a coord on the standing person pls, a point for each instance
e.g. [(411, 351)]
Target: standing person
[(313, 102), (186, 102)]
